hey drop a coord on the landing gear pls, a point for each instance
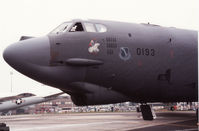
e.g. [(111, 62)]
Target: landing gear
[(197, 115), (172, 108), (147, 112), (3, 127)]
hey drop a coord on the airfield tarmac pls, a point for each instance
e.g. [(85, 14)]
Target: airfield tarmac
[(116, 121)]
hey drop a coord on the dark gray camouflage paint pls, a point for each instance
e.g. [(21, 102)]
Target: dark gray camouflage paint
[(169, 76)]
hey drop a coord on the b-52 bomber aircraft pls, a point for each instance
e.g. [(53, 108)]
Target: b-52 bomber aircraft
[(103, 62)]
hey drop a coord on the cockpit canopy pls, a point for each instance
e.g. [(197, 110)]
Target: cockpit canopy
[(61, 28), (78, 27)]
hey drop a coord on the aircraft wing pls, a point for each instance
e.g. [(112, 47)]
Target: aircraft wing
[(54, 95), (12, 103), (23, 95)]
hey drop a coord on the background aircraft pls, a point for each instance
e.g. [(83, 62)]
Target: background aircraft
[(102, 62), (24, 99)]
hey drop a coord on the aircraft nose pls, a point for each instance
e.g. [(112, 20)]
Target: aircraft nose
[(7, 53), (35, 51)]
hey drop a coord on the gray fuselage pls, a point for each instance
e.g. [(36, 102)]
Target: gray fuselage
[(125, 62)]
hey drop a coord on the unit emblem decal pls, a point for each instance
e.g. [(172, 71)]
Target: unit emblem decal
[(93, 47), (124, 53)]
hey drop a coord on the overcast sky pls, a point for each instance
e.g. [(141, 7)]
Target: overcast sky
[(38, 17)]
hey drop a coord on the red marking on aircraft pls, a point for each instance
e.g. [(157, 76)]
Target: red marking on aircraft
[(139, 63), (171, 53)]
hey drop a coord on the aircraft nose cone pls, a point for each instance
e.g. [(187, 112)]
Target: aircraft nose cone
[(6, 54), (34, 51), (10, 54)]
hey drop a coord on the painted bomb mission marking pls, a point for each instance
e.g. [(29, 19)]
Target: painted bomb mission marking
[(111, 44)]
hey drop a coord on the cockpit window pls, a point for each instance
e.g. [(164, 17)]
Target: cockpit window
[(62, 28), (100, 28), (89, 27), (77, 27)]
